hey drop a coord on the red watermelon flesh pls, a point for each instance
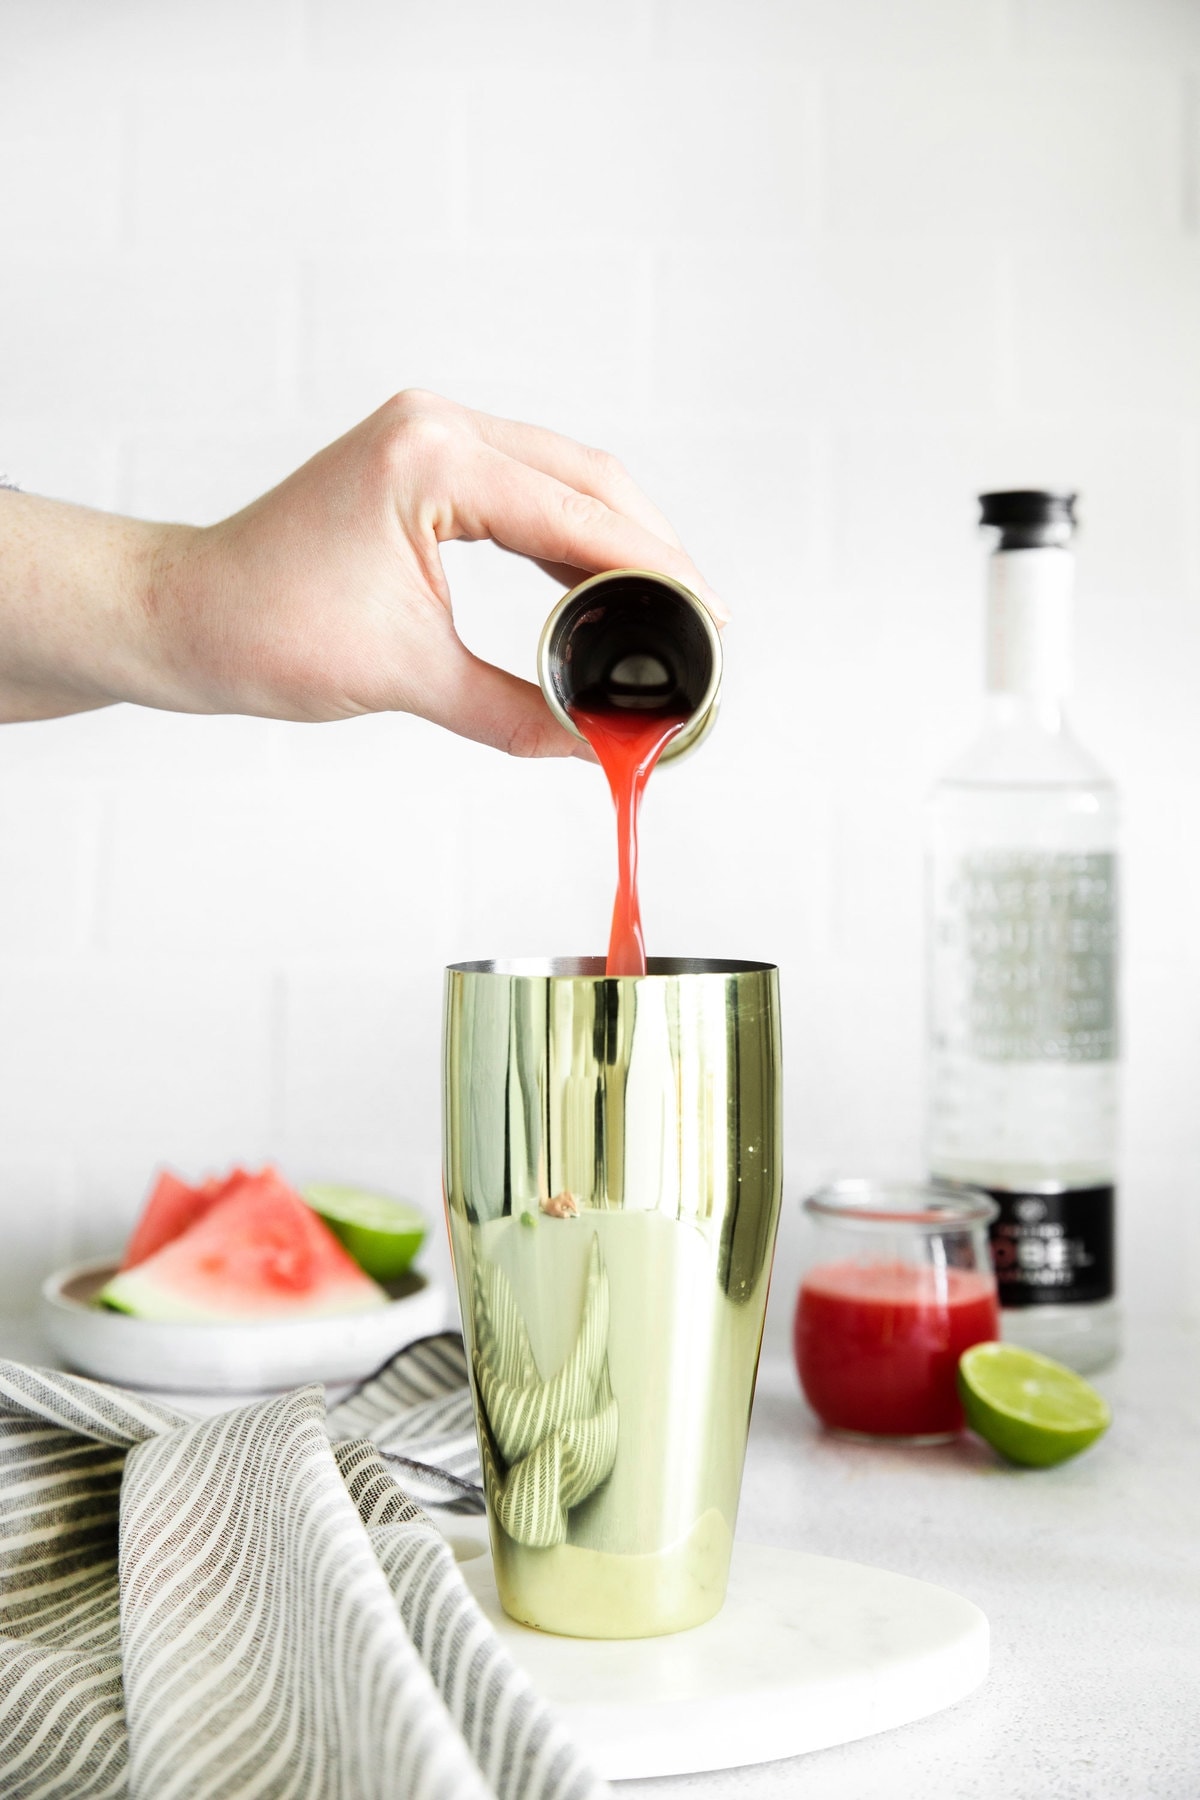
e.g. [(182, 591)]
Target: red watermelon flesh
[(258, 1253), (173, 1207)]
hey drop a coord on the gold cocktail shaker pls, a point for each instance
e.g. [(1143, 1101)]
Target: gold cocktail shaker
[(613, 1174)]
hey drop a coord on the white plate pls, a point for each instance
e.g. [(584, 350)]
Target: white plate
[(229, 1358)]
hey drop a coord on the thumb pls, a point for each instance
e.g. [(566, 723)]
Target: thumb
[(478, 701)]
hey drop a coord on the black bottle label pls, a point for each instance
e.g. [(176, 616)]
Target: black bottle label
[(1054, 1249)]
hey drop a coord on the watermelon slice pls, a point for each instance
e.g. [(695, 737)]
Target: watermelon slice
[(173, 1207), (257, 1253)]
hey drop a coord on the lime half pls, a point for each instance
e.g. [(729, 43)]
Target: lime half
[(381, 1235), (1033, 1410)]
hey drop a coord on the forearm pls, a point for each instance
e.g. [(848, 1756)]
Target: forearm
[(76, 612), (326, 597)]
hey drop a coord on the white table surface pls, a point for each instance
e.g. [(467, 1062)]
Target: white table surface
[(1089, 1575)]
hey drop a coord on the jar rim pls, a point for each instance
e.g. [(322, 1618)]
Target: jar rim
[(930, 1206)]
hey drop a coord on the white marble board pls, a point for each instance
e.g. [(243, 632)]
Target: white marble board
[(807, 1652)]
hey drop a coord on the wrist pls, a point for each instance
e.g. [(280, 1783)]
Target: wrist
[(132, 586), (74, 626), (165, 616)]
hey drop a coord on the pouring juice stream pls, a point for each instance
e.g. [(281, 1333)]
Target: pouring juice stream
[(628, 744), (631, 661)]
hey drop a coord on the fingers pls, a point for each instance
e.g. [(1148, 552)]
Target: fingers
[(539, 516), (566, 577), (587, 470), (493, 707)]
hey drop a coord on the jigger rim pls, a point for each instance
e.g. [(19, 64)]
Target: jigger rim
[(702, 720), (592, 968)]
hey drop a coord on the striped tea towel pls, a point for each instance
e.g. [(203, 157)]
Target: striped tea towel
[(417, 1412), (239, 1606)]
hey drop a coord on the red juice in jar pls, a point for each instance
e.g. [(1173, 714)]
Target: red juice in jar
[(877, 1344)]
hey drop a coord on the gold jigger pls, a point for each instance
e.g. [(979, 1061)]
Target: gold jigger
[(613, 1174), (642, 636)]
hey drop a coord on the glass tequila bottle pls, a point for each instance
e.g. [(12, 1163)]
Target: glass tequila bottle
[(1022, 957)]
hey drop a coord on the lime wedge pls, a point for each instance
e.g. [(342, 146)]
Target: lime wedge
[(1032, 1410), (381, 1235)]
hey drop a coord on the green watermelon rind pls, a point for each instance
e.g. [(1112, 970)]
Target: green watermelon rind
[(139, 1296)]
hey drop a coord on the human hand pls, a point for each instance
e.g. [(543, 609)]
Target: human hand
[(327, 598)]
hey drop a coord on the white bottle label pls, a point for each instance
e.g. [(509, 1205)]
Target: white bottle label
[(1027, 943), (1029, 623)]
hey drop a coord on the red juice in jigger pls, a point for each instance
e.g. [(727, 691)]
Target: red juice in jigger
[(877, 1344)]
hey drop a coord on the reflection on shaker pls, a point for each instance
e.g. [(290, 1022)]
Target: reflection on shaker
[(547, 1444)]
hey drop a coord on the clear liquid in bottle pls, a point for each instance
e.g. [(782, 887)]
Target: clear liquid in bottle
[(1022, 959)]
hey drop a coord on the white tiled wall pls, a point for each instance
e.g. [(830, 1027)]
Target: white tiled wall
[(818, 270)]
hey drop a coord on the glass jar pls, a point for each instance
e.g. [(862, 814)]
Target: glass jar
[(898, 1282)]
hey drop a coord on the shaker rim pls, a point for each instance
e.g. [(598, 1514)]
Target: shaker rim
[(592, 968)]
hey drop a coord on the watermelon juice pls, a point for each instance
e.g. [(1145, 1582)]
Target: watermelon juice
[(877, 1344), (628, 744)]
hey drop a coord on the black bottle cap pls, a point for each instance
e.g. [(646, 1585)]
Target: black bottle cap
[(1029, 518)]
